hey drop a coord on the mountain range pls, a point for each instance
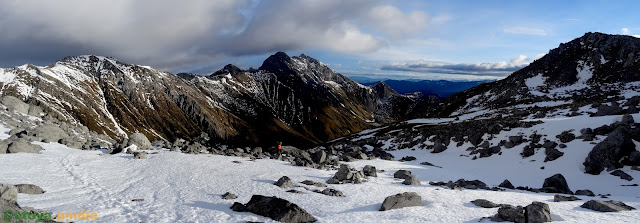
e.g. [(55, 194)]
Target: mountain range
[(298, 100)]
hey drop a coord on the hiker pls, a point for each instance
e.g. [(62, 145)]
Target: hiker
[(279, 145)]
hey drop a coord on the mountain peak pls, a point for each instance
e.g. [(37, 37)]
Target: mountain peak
[(277, 63), (228, 69)]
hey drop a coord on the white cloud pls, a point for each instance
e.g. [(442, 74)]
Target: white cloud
[(496, 69), (525, 30), (395, 23), (625, 31), (539, 56), (172, 34)]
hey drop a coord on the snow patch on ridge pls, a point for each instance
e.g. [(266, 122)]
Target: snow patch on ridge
[(535, 81)]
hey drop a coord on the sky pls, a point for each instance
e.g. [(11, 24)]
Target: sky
[(394, 39)]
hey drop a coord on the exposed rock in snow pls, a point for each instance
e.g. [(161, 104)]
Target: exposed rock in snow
[(402, 200)]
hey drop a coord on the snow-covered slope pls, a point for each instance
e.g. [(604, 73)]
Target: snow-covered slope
[(583, 70), (187, 188)]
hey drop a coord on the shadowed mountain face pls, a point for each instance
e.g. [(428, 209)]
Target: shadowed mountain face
[(297, 100), (580, 71)]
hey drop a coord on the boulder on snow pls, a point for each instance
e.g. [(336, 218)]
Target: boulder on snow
[(556, 184), (411, 180), (402, 174), (29, 189), (566, 137), (484, 203), (313, 183), (552, 154), (4, 145), (506, 184), (509, 213), (537, 212), (608, 153), (23, 146), (560, 198), (332, 192), (585, 193), (632, 160), (140, 155), (140, 140), (9, 193), (319, 157), (229, 196), (609, 110), (406, 199), (284, 182), (48, 133), (15, 104), (606, 206), (622, 175), (370, 171), (275, 208)]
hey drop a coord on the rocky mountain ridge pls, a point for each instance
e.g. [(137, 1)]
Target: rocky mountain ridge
[(294, 99)]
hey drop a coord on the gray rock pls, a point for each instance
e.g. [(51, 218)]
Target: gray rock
[(23, 146), (194, 148), (370, 171), (275, 208), (313, 183), (627, 119), (552, 154), (402, 174), (284, 182), (9, 193), (506, 184), (4, 145), (438, 148), (140, 140), (609, 110), (622, 175), (140, 155), (29, 189), (484, 203), (537, 212), (15, 104), (515, 139), (229, 196), (256, 150), (510, 213), (585, 193), (411, 180), (319, 156), (560, 198), (332, 192), (344, 173), (607, 206), (558, 183), (608, 153), (48, 133), (566, 137), (406, 199), (632, 160)]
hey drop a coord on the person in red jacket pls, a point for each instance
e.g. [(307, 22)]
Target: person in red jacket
[(279, 145)]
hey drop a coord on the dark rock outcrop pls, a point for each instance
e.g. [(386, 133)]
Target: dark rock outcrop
[(406, 199), (556, 184), (275, 208), (607, 206), (608, 153)]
